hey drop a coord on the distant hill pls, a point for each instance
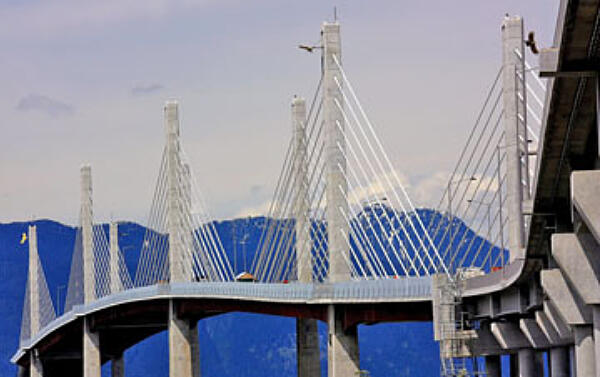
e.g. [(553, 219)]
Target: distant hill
[(235, 344)]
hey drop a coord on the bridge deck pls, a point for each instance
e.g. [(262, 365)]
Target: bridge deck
[(295, 299)]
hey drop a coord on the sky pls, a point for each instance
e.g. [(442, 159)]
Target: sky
[(85, 81)]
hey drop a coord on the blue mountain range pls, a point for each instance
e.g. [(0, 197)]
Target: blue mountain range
[(234, 344)]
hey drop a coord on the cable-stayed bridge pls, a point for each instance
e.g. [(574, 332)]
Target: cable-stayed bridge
[(343, 242)]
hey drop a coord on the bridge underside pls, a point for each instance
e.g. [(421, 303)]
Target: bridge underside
[(122, 326)]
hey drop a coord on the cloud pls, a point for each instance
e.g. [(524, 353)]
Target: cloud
[(44, 104), (258, 210), (140, 90)]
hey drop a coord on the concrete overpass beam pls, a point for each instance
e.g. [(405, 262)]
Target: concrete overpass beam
[(566, 300), (579, 260), (549, 331), (180, 345), (558, 323), (91, 351), (342, 346), (509, 336), (533, 333), (307, 345)]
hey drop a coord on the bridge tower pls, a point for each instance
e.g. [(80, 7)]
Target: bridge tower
[(335, 160), (183, 333), (342, 347), (515, 118), (116, 285), (91, 338), (36, 368), (307, 336)]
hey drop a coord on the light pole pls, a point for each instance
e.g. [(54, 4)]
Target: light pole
[(449, 189)]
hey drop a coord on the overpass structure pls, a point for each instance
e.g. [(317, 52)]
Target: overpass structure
[(344, 244)]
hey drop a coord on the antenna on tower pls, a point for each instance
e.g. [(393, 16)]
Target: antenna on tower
[(334, 14)]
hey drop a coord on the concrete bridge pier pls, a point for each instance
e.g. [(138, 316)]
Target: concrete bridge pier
[(585, 363), (342, 345), (36, 368), (91, 351), (559, 362), (493, 366), (117, 366), (307, 346), (183, 343), (307, 336)]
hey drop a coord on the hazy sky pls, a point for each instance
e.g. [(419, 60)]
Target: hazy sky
[(85, 81)]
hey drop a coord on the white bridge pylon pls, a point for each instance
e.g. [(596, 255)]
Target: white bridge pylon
[(181, 243), (338, 179)]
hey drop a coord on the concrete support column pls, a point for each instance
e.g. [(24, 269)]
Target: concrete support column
[(35, 368), (116, 285), (493, 366), (195, 348), (559, 362), (307, 346), (514, 365), (585, 363), (91, 351), (180, 345), (528, 365), (515, 131), (335, 148), (342, 346), (89, 262), (117, 367), (596, 317), (175, 201)]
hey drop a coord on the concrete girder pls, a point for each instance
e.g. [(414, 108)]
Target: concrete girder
[(579, 264), (484, 343), (585, 197), (558, 322), (549, 331), (509, 336), (533, 333), (568, 303)]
